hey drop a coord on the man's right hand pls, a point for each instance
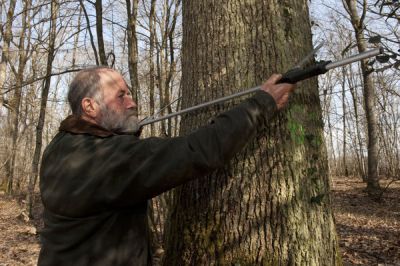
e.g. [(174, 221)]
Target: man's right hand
[(280, 92)]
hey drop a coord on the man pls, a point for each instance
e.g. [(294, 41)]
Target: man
[(97, 176)]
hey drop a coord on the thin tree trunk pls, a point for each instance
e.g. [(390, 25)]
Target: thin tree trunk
[(359, 145), (132, 8), (6, 31), (171, 71), (271, 204), (96, 56), (152, 25), (346, 170), (373, 187), (15, 103), (99, 31), (7, 36), (76, 39), (43, 104)]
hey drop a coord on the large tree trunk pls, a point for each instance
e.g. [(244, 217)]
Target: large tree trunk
[(373, 187), (271, 205)]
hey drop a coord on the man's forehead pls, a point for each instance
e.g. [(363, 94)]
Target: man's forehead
[(111, 77)]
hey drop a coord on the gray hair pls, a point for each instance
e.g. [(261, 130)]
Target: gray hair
[(87, 83)]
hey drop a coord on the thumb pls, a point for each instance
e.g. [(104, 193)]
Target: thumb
[(273, 79)]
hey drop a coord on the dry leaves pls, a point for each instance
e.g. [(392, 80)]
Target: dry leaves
[(369, 231)]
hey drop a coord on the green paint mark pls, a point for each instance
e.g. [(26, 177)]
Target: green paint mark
[(296, 132)]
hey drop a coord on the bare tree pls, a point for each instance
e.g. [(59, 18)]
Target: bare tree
[(357, 21), (132, 11), (44, 96), (99, 32)]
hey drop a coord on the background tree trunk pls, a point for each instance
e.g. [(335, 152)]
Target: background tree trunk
[(152, 29), (99, 31), (6, 32), (43, 104), (373, 187), (132, 9), (15, 102), (272, 204)]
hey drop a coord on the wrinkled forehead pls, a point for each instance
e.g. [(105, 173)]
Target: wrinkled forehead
[(111, 79)]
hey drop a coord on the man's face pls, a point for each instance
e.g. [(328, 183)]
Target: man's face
[(118, 111)]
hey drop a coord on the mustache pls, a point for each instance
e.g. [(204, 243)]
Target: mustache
[(132, 112)]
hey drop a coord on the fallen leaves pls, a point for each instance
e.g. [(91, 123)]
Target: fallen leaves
[(369, 231)]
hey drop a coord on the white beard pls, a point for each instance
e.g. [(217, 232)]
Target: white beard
[(113, 121)]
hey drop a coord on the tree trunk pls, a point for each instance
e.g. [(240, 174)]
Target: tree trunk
[(15, 103), (6, 32), (43, 104), (346, 170), (373, 187), (99, 31), (76, 40), (271, 205), (132, 9), (152, 20), (359, 142), (90, 32)]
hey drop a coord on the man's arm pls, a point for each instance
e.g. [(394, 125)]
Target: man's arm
[(120, 172)]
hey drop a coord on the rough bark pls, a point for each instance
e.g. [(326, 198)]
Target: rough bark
[(373, 187), (271, 205)]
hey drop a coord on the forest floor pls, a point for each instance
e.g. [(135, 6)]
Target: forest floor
[(369, 231)]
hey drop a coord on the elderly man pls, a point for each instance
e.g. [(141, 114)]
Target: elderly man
[(97, 176)]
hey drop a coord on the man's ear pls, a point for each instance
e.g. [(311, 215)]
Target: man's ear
[(90, 107)]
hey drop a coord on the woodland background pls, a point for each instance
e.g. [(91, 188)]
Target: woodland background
[(43, 43)]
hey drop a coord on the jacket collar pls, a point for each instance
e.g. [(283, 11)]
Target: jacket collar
[(77, 125)]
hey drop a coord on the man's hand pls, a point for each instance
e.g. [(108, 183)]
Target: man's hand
[(280, 92)]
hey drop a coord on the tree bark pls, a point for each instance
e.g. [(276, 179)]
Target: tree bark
[(15, 103), (43, 104), (346, 170), (90, 32), (99, 31), (271, 205), (6, 32), (152, 29), (373, 187), (132, 8)]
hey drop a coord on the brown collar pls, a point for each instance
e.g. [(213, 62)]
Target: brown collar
[(77, 125)]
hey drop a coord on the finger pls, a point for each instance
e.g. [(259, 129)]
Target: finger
[(273, 79), (288, 87)]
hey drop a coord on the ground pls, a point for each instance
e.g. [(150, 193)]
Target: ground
[(369, 231)]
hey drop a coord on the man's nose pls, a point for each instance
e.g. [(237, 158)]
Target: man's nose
[(130, 103)]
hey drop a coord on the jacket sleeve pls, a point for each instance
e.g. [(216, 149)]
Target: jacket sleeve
[(118, 172)]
